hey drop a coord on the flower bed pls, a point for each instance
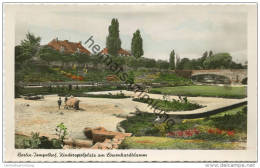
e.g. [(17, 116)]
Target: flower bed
[(170, 105), (208, 134), (69, 75)]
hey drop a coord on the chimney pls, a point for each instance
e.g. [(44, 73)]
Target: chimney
[(57, 39)]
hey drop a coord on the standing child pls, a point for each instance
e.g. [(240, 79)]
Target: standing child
[(59, 102)]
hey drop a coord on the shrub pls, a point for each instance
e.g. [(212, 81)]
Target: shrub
[(232, 122), (163, 128), (70, 87), (173, 79), (140, 125), (61, 131), (37, 142)]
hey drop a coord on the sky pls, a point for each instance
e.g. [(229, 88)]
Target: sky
[(188, 29)]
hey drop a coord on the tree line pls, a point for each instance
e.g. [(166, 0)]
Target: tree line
[(30, 48), (208, 60)]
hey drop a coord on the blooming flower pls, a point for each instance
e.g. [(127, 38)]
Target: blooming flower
[(218, 131), (80, 78), (231, 133), (188, 133), (211, 131), (180, 133), (74, 77), (196, 132)]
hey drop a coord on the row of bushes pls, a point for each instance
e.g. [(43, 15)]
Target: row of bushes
[(64, 90), (172, 79), (110, 96)]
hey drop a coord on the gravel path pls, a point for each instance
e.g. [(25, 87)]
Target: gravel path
[(43, 115)]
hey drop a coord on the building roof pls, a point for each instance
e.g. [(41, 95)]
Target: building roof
[(120, 52), (69, 47)]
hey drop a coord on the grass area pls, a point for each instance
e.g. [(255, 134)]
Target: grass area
[(204, 91), (234, 119), (169, 105), (148, 142)]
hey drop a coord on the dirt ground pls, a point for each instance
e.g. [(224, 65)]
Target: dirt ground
[(43, 115)]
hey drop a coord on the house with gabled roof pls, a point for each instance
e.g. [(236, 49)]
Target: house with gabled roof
[(68, 47)]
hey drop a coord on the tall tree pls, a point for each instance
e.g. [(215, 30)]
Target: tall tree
[(23, 54), (172, 60), (178, 60), (210, 53), (113, 42), (205, 55), (137, 45), (48, 54), (28, 47), (185, 63), (202, 59)]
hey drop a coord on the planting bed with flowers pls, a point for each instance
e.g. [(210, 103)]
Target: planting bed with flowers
[(170, 105), (206, 134), (226, 130)]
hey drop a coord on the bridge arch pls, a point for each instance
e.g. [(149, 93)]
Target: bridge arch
[(210, 79), (236, 76)]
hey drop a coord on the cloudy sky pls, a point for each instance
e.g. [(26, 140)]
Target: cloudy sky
[(189, 30)]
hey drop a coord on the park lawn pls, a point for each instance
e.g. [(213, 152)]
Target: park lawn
[(150, 142), (203, 91)]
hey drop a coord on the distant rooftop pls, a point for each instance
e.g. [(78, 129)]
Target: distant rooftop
[(67, 46), (121, 52)]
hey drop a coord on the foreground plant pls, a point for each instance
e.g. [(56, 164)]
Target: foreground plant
[(61, 131), (42, 142), (37, 142)]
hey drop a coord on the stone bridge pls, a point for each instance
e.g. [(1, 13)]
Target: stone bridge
[(235, 76)]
